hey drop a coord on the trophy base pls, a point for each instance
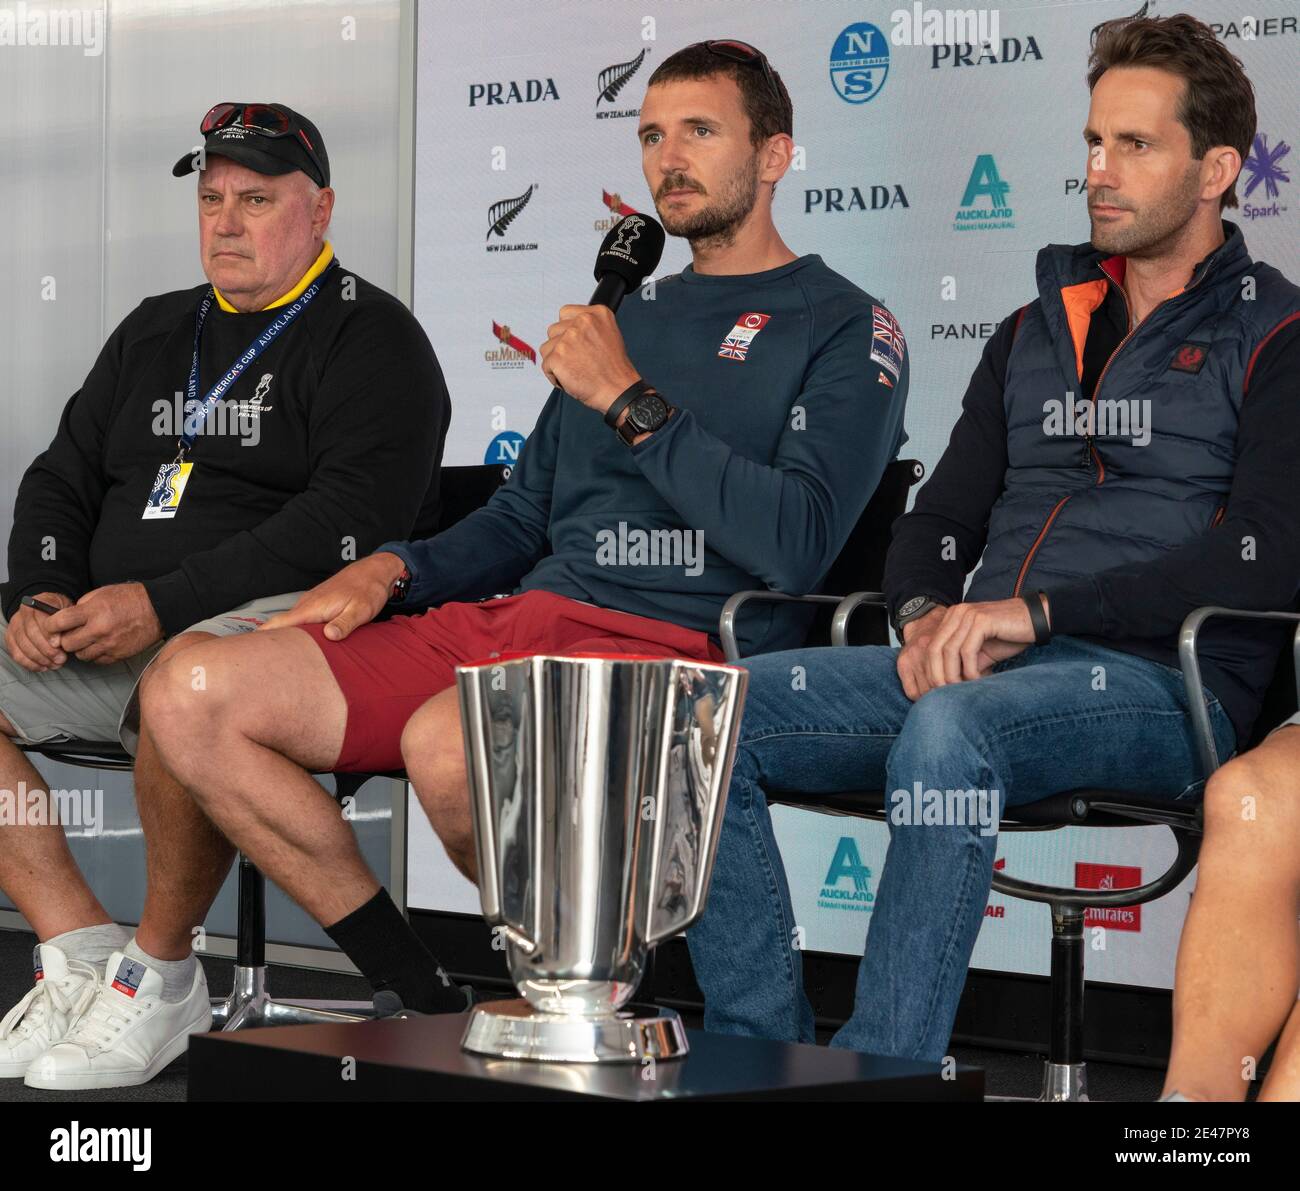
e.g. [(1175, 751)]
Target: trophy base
[(515, 1030)]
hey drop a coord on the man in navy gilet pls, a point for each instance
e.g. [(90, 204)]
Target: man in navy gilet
[(1124, 455)]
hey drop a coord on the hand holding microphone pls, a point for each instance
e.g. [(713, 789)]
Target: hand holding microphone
[(584, 352)]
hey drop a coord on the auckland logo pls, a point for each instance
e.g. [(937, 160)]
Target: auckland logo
[(995, 213), (611, 81), (501, 215), (847, 885), (859, 62), (1265, 167)]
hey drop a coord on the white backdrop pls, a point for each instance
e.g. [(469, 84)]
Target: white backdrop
[(509, 116)]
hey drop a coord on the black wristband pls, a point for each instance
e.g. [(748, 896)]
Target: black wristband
[(1038, 617), (623, 400)]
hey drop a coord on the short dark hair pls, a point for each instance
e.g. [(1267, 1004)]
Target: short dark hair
[(1218, 103), (767, 117)]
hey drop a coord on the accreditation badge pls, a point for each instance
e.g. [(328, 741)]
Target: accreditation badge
[(168, 488)]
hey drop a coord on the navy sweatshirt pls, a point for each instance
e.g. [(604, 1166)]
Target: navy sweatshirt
[(779, 441)]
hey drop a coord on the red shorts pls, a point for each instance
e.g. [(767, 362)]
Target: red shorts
[(388, 670)]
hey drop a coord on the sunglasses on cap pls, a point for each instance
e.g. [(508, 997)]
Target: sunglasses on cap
[(742, 51), (264, 120)]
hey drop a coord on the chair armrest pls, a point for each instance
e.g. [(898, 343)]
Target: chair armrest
[(845, 610), (1191, 668), (727, 621)]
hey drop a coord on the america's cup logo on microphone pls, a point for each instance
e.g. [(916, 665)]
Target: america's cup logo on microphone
[(629, 232)]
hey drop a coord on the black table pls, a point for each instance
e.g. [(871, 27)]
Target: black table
[(421, 1059)]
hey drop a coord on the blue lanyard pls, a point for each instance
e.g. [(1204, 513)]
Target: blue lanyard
[(196, 412)]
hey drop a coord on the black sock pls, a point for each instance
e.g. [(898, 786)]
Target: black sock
[(390, 955)]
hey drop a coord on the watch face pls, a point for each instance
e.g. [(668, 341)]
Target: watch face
[(912, 605), (647, 412)]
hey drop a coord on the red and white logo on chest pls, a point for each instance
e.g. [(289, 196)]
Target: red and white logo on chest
[(737, 342)]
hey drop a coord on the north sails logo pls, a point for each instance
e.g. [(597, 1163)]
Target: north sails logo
[(612, 80), (501, 215)]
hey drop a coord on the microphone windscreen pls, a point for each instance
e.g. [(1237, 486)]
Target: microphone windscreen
[(631, 250)]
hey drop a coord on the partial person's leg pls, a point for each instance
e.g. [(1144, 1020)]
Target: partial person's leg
[(815, 720), (186, 857), (268, 713), (244, 742), (1064, 716), (1283, 1082), (433, 751), (37, 871), (1238, 970)]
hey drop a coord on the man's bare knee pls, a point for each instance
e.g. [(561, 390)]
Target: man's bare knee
[(6, 728)]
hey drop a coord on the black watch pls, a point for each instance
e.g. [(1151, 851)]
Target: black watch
[(646, 411), (910, 610), (645, 414)]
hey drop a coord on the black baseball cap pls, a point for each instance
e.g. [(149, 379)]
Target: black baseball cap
[(270, 138)]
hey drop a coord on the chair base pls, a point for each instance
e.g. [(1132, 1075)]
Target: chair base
[(1062, 1083), (249, 1005)]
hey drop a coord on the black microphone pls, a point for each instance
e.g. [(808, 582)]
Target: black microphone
[(630, 252)]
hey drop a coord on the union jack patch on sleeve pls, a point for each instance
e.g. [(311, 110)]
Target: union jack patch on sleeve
[(887, 342)]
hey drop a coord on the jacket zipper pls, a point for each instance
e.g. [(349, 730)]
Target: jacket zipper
[(1089, 450), (1089, 454)]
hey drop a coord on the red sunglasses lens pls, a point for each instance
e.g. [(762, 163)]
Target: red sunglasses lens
[(738, 49), (218, 116)]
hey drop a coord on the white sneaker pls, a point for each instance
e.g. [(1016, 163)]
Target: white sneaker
[(64, 987), (127, 1034)]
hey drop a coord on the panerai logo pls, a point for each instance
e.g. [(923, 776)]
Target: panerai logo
[(79, 1143)]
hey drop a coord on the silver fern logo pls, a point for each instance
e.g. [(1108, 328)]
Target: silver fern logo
[(611, 81), (501, 215)]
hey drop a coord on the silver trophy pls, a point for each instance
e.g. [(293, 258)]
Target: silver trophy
[(598, 786)]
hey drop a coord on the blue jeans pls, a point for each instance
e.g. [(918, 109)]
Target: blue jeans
[(1056, 717)]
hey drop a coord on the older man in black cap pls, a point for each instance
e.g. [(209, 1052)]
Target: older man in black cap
[(234, 444)]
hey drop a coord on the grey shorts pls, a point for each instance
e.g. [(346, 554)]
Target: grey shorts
[(83, 701)]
